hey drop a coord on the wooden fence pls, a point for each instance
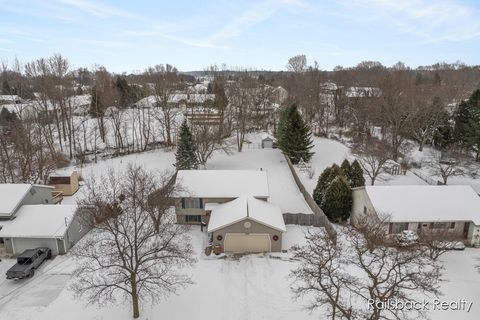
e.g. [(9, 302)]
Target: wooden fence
[(318, 219), (303, 219)]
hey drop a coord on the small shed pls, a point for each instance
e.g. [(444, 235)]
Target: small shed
[(392, 167), (247, 224), (65, 181), (267, 142)]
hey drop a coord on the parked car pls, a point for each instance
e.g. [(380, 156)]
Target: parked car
[(27, 262), (407, 237)]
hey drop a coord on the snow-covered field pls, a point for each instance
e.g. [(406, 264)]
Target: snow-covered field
[(328, 152)]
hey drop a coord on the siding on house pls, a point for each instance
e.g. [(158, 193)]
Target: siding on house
[(256, 227), (38, 195), (182, 212), (363, 205)]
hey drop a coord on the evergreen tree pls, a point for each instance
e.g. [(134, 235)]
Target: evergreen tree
[(345, 166), (324, 180), (356, 175), (7, 117), (293, 136), (467, 124), (6, 89), (185, 156), (337, 200)]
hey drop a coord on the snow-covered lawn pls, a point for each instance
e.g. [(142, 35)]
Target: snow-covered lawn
[(429, 155), (248, 287), (328, 152)]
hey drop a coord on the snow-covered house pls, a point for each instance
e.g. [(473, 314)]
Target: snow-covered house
[(454, 210), (57, 227), (15, 195), (247, 224), (9, 99), (234, 204)]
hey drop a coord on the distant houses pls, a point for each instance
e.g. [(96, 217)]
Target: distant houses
[(450, 210)]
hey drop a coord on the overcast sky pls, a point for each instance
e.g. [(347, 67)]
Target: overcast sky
[(131, 35)]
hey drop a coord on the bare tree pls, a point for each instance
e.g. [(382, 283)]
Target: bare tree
[(437, 240), (297, 63), (372, 156), (353, 279), (449, 163), (165, 83), (208, 138), (127, 255)]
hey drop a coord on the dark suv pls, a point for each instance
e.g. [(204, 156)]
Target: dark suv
[(27, 262)]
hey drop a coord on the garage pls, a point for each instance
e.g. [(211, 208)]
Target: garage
[(242, 242), (246, 225), (22, 244)]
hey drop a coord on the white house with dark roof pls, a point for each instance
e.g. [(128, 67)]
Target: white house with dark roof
[(452, 208), (234, 205)]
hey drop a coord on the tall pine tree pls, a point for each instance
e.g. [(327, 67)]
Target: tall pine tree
[(185, 156), (293, 136), (467, 124)]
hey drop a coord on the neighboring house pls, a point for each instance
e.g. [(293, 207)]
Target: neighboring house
[(267, 142), (454, 210), (13, 196), (10, 98), (65, 181), (57, 227), (233, 203), (197, 188), (247, 224)]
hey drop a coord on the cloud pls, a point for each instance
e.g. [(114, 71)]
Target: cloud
[(197, 42), (432, 21), (255, 14), (97, 9)]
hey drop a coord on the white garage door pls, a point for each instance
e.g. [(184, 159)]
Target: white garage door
[(22, 244), (241, 242)]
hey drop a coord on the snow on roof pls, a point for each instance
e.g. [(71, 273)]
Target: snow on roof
[(39, 221), (9, 97), (10, 197), (222, 183), (426, 203), (244, 207), (199, 98), (63, 172), (353, 92)]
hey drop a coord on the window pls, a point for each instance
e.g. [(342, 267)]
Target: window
[(189, 218), (398, 227), (439, 225), (364, 210), (452, 225), (192, 203)]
